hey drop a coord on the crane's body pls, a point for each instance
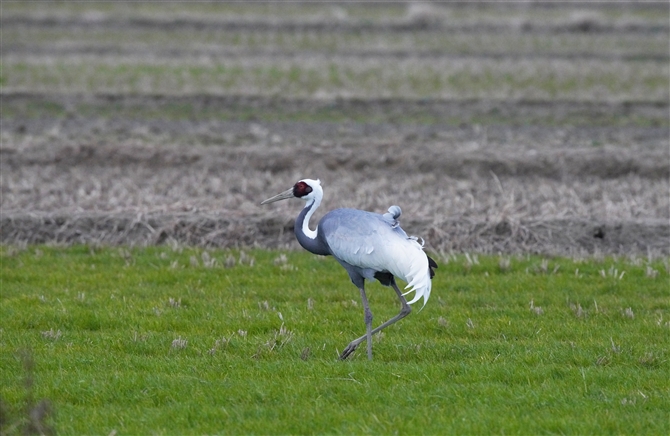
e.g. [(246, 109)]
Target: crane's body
[(368, 245)]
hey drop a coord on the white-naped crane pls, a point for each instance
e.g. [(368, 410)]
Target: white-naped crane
[(369, 246)]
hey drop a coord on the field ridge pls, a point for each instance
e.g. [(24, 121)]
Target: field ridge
[(570, 237), (421, 22)]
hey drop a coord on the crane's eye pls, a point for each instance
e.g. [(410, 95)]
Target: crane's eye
[(301, 189)]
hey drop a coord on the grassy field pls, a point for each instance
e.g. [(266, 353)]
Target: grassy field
[(312, 75), (185, 341)]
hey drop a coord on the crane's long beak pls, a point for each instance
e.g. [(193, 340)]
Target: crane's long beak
[(283, 196)]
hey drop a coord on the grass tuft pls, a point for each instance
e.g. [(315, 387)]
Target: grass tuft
[(179, 343)]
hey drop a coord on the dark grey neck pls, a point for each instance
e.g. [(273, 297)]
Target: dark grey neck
[(314, 245)]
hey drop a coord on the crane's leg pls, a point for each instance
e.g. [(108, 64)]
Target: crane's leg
[(368, 321), (404, 311), (368, 327)]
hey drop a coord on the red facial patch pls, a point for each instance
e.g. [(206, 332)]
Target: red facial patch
[(301, 189)]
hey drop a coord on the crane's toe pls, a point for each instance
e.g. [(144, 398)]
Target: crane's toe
[(349, 350)]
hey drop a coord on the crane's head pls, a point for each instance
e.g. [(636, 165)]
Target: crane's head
[(305, 189)]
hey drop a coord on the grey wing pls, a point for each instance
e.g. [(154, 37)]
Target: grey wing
[(363, 239), (368, 242), (349, 232)]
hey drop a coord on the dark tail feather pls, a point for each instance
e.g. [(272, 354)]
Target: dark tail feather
[(431, 264), (384, 277)]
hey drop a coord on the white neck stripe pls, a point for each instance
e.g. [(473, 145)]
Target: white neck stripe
[(311, 234)]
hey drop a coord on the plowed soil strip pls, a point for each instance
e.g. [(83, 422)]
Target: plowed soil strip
[(23, 106), (307, 25), (567, 237)]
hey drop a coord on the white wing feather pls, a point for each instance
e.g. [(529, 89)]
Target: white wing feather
[(369, 241)]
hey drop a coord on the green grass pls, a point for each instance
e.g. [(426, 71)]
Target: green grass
[(387, 79), (640, 45), (154, 341)]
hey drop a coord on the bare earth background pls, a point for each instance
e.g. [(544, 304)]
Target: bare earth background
[(496, 127)]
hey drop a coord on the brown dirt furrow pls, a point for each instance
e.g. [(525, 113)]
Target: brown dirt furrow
[(340, 56), (419, 23), (564, 236), (20, 107), (433, 157)]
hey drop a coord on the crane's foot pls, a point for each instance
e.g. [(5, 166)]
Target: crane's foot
[(349, 350)]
